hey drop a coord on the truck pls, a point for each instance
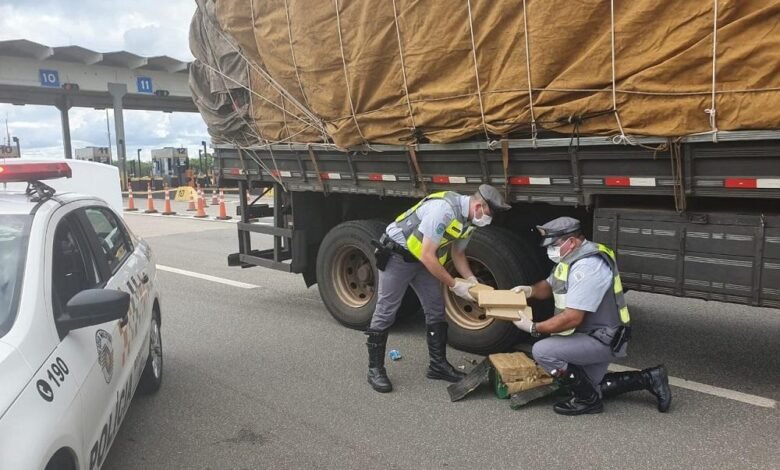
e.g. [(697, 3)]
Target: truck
[(687, 199)]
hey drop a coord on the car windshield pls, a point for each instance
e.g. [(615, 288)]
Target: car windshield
[(14, 236)]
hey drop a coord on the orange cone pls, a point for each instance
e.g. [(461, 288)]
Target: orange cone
[(167, 210), (149, 201), (201, 213), (222, 210), (214, 197), (191, 206), (130, 201)]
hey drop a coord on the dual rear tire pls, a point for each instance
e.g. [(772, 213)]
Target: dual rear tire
[(347, 278)]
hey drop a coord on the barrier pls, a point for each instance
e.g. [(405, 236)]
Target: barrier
[(130, 202), (150, 201), (167, 209)]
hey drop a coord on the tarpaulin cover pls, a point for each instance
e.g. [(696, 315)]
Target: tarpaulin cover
[(401, 71)]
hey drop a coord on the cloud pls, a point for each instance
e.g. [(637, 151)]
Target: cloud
[(144, 27)]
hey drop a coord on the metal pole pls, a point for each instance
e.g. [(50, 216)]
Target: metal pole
[(108, 132), (205, 154), (139, 164), (18, 147), (63, 105), (117, 91)]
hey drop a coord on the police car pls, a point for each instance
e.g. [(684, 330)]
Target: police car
[(79, 320)]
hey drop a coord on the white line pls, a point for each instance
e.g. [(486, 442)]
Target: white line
[(710, 390), (206, 277)]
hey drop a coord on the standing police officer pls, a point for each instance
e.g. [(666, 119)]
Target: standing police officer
[(413, 252), (591, 325)]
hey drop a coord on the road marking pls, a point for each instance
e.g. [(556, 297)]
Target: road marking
[(206, 277), (709, 389)]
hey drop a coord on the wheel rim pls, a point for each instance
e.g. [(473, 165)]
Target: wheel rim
[(353, 276), (155, 349), (466, 314)]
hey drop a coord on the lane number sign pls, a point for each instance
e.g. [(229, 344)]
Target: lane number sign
[(144, 84), (49, 78)]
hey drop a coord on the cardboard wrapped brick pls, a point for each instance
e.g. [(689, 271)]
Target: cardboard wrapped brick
[(516, 372)]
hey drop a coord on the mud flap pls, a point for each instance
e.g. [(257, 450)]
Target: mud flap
[(471, 381)]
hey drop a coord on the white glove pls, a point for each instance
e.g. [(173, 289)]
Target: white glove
[(527, 290), (524, 323), (472, 280), (461, 289)]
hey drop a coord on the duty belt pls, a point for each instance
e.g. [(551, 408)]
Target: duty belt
[(391, 245)]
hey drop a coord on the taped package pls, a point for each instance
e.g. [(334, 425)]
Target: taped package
[(516, 372), (501, 304)]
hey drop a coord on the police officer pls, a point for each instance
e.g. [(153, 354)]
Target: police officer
[(591, 325), (416, 247)]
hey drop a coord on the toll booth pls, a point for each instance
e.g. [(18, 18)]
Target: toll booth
[(171, 165), (94, 154), (9, 151)]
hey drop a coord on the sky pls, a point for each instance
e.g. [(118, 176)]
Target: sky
[(143, 27)]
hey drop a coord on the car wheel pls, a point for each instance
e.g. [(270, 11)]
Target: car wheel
[(152, 375)]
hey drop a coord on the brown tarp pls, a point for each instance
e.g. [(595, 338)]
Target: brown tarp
[(399, 71)]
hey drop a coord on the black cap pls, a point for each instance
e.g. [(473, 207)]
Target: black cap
[(557, 228), (493, 198)]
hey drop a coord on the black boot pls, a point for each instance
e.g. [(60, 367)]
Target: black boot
[(654, 380), (439, 368), (377, 375), (586, 399)]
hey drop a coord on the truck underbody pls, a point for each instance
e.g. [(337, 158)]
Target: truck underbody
[(687, 217)]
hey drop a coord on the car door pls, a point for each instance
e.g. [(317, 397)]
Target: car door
[(117, 367)]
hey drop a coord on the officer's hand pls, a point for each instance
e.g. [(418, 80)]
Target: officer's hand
[(472, 280), (524, 323), (527, 290), (461, 289)]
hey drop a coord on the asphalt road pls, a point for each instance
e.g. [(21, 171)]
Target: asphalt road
[(265, 378)]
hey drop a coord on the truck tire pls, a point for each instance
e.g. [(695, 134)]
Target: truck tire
[(502, 260), (346, 271)]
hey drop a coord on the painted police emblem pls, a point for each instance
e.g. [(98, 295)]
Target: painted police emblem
[(440, 229), (105, 351)]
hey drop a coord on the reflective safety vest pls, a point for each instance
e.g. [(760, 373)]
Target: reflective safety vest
[(458, 229), (561, 277)]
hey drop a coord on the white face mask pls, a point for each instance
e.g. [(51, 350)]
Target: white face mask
[(554, 253), (482, 221)]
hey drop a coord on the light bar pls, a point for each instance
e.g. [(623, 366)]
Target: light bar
[(39, 171)]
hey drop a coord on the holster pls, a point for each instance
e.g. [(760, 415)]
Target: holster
[(382, 254)]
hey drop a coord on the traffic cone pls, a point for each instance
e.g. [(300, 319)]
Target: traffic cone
[(222, 210), (130, 201), (214, 197), (201, 213), (149, 201), (167, 210), (191, 205)]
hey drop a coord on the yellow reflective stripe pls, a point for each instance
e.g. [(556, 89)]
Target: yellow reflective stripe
[(565, 333), (562, 272), (454, 229), (607, 250), (443, 258), (414, 245), (618, 285), (624, 316), (560, 301)]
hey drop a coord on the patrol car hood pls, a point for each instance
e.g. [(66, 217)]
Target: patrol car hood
[(14, 375)]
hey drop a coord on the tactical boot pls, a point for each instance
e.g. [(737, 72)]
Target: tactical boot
[(439, 368), (377, 375), (654, 380), (586, 399)]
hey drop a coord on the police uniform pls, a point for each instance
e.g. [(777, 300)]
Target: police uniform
[(444, 219), (587, 279)]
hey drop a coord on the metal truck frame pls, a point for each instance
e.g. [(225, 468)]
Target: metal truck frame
[(689, 217)]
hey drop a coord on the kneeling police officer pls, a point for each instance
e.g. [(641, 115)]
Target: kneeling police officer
[(413, 252), (591, 325)]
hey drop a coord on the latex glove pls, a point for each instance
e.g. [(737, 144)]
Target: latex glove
[(461, 289), (527, 290), (524, 323), (472, 280)]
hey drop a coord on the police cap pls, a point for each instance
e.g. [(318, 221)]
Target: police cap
[(557, 228), (493, 198)]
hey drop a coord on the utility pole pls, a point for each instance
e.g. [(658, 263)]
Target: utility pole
[(139, 164), (18, 147), (108, 132), (205, 155)]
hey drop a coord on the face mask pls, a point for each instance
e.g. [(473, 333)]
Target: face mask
[(482, 221), (554, 253)]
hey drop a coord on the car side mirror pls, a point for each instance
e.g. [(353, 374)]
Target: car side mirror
[(92, 307)]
